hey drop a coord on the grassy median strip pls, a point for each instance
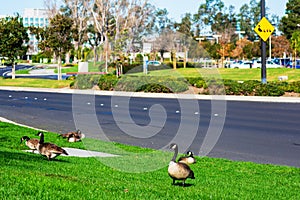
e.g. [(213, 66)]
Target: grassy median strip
[(229, 74), (33, 82), (26, 175)]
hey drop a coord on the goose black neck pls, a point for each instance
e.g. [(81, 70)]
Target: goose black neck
[(41, 139), (175, 154)]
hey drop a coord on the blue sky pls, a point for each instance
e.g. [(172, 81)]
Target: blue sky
[(176, 8)]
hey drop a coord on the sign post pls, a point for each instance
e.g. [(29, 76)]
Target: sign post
[(264, 29)]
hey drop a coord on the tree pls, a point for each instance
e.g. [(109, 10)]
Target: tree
[(244, 21), (13, 39), (242, 47), (295, 42), (280, 46), (57, 38), (94, 39), (224, 50), (121, 23), (185, 26), (164, 43), (78, 10), (291, 21), (161, 20)]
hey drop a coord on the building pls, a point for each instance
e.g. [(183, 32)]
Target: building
[(36, 18)]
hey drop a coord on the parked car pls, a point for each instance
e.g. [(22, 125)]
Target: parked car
[(154, 62), (292, 64), (282, 61), (269, 64), (241, 65)]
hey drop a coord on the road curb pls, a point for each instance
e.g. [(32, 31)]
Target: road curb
[(158, 95), (2, 119)]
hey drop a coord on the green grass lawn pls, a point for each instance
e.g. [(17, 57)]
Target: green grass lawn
[(33, 82), (26, 175), (232, 74)]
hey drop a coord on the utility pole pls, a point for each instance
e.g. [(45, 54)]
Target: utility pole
[(263, 47)]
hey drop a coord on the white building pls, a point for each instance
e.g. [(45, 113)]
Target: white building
[(37, 18)]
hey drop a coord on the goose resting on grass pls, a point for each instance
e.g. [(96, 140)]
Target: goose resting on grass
[(188, 159), (73, 136)]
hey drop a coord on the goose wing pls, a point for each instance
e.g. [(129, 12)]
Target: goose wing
[(53, 148)]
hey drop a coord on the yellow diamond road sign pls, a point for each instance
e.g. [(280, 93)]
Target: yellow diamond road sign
[(264, 29)]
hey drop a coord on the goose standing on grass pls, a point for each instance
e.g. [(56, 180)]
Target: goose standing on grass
[(48, 149), (31, 143), (178, 170), (188, 159)]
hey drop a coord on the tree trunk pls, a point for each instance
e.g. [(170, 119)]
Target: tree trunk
[(95, 55), (13, 70), (174, 59), (184, 59), (59, 77)]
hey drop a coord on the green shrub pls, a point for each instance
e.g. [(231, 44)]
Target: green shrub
[(86, 81), (154, 87), (270, 89), (198, 82), (107, 82), (138, 83), (139, 58), (291, 87)]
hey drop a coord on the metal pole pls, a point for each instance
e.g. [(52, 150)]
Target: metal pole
[(263, 47), (270, 47)]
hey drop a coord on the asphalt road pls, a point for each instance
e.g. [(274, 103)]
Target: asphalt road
[(4, 70), (250, 131), (39, 73)]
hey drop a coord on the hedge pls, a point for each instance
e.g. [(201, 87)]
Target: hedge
[(166, 84)]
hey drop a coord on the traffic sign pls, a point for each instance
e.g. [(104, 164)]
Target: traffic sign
[(264, 29)]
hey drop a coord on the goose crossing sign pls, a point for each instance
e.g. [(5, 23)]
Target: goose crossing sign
[(264, 29)]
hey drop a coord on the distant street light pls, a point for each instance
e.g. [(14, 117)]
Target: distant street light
[(217, 37), (240, 32), (200, 39)]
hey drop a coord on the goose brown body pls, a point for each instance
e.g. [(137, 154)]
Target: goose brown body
[(49, 150), (178, 170), (66, 135), (73, 136), (31, 143)]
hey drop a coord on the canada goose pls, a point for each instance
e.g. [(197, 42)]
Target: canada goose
[(48, 149), (75, 133), (178, 170), (74, 138), (31, 143), (188, 159), (79, 134), (66, 135)]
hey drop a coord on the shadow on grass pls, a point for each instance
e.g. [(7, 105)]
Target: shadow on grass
[(25, 156), (179, 184)]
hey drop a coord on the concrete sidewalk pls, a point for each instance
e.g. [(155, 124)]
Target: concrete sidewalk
[(71, 151), (42, 71), (81, 153)]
